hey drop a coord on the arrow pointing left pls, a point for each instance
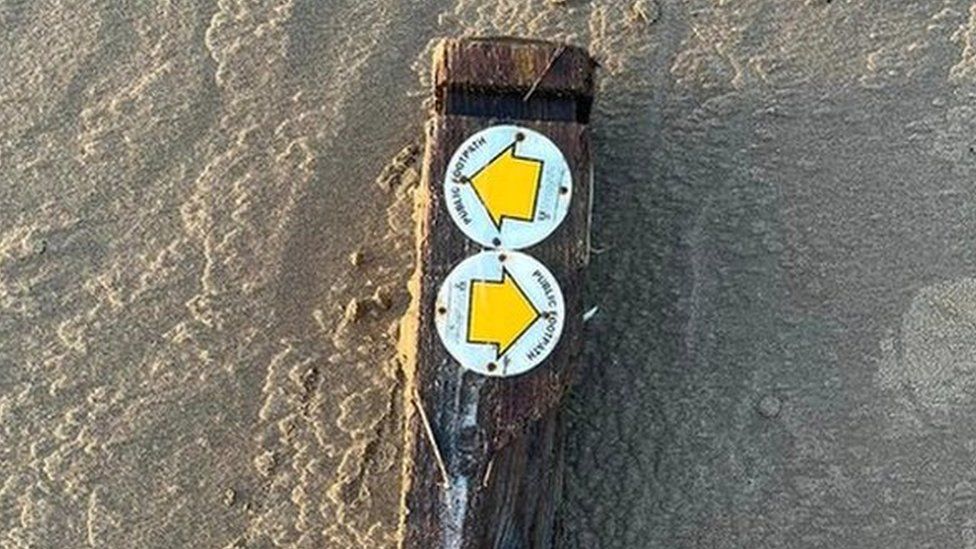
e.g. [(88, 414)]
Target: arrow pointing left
[(508, 186)]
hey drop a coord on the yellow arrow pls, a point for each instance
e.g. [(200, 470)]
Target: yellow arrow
[(499, 312), (507, 186)]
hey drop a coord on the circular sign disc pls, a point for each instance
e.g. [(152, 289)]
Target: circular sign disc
[(508, 187), (499, 313)]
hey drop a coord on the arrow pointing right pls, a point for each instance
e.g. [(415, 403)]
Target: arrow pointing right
[(499, 312)]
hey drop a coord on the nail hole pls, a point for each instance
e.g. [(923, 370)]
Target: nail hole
[(519, 136), (492, 366), (502, 257), (563, 190), (441, 310), (496, 241)]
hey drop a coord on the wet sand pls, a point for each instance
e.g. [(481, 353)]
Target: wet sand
[(205, 234)]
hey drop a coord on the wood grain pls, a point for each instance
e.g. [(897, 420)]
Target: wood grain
[(503, 468)]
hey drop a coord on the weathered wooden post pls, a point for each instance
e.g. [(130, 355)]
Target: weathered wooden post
[(489, 347)]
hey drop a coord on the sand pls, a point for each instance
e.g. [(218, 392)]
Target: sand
[(205, 234)]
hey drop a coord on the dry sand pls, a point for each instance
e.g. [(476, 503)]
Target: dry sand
[(205, 232)]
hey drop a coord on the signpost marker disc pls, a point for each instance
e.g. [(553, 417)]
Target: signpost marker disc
[(500, 313), (508, 187)]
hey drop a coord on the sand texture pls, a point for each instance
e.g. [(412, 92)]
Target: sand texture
[(205, 235)]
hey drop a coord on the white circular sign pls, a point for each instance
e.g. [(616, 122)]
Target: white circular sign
[(499, 313), (508, 187)]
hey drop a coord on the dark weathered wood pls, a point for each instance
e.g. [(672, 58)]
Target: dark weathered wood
[(510, 68), (498, 438)]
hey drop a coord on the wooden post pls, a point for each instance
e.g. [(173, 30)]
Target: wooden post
[(483, 455)]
